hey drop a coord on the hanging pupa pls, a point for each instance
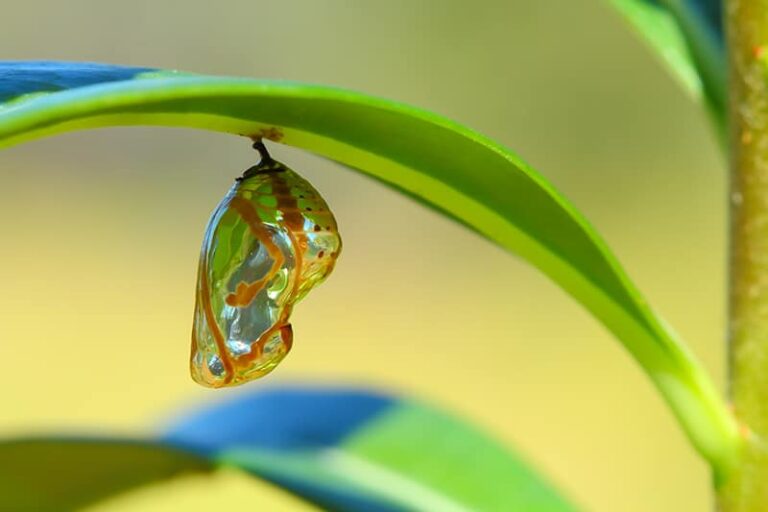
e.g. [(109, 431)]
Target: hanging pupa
[(268, 243)]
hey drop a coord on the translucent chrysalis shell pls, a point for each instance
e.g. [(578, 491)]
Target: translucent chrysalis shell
[(268, 243)]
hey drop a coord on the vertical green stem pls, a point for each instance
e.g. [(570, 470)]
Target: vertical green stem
[(747, 29)]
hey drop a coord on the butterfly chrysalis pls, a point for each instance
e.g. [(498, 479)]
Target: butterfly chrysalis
[(268, 243)]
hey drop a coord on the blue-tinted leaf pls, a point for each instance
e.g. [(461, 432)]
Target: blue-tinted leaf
[(59, 474), (352, 450), (20, 78)]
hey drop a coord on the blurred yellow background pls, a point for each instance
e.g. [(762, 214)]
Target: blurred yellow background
[(101, 232)]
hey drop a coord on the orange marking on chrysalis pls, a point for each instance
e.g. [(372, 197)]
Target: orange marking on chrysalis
[(313, 248), (210, 319), (286, 334), (294, 221), (246, 292)]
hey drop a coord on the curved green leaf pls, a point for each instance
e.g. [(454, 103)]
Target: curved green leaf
[(443, 164)]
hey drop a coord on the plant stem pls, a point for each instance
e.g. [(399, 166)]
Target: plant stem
[(747, 27)]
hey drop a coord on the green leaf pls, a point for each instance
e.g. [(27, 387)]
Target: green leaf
[(688, 36), (58, 475), (446, 166)]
